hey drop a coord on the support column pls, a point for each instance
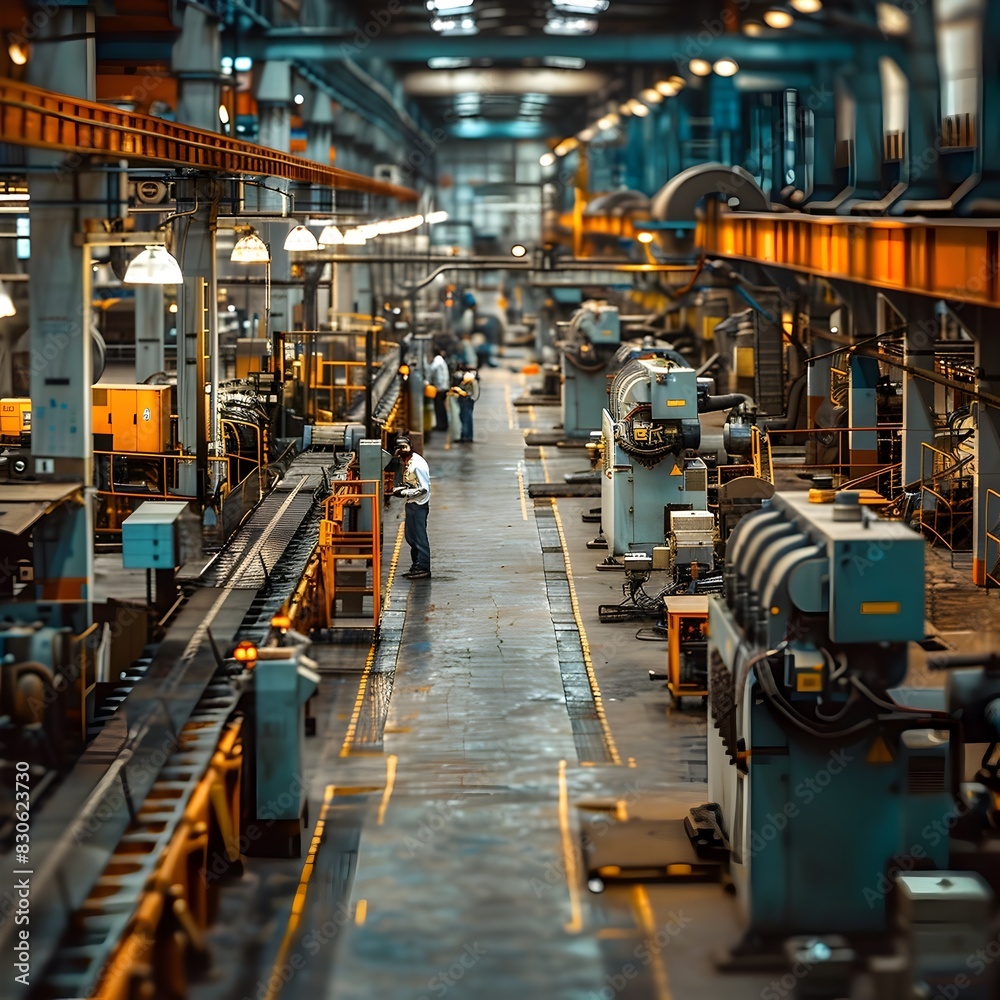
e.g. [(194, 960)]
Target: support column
[(60, 316), (863, 372), (196, 62), (918, 399), (987, 459), (273, 91), (197, 318), (148, 331)]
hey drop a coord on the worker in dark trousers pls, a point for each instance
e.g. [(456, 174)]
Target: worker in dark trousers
[(439, 376), (467, 393), (416, 489)]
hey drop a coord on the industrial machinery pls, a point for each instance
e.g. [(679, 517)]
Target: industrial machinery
[(687, 647), (650, 434), (592, 336), (820, 779)]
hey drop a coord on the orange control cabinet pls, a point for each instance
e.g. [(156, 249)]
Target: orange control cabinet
[(15, 420), (132, 418)]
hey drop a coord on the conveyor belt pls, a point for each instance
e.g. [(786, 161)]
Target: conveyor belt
[(78, 828)]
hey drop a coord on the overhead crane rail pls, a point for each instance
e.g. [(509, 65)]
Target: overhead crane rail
[(30, 116), (953, 259)]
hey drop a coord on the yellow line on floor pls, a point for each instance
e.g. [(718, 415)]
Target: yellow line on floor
[(595, 688), (647, 921), (359, 702), (511, 424), (531, 414), (275, 981), (390, 781), (520, 488), (545, 467), (575, 924)]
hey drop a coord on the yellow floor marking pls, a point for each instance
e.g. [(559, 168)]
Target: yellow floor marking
[(359, 702), (390, 781), (531, 414), (595, 688), (575, 924), (631, 762), (520, 488), (648, 923), (545, 468), (299, 902), (360, 912)]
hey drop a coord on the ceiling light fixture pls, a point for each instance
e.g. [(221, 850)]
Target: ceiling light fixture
[(725, 67), (651, 95), (666, 88), (354, 238), (6, 303), (808, 6), (300, 239), (433, 218), (518, 250), (546, 159), (224, 114), (700, 67), (586, 134), (19, 53), (752, 28), (638, 108), (331, 236), (299, 99), (566, 146), (777, 18), (645, 237), (570, 26), (154, 266), (250, 249)]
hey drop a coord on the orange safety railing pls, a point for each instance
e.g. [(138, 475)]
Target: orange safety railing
[(992, 538), (948, 518), (30, 116), (350, 537)]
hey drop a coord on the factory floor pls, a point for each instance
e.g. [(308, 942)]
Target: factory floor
[(456, 765)]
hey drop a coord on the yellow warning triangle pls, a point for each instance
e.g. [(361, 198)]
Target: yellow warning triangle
[(676, 470), (879, 752)]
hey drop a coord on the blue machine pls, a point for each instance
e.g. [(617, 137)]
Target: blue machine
[(650, 422), (821, 781), (284, 680), (591, 338), (150, 535)]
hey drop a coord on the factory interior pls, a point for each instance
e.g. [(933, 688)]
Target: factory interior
[(499, 499)]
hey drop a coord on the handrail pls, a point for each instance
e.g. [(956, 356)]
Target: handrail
[(30, 116), (992, 537)]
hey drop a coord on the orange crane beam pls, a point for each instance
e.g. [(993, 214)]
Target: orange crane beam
[(30, 116), (947, 258)]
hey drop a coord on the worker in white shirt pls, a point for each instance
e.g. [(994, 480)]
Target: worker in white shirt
[(416, 489), (439, 376)]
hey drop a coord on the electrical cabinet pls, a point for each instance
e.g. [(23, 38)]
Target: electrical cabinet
[(132, 418)]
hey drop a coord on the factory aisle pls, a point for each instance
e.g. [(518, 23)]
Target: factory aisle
[(455, 866)]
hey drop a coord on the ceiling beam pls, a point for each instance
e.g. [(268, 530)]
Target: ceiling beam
[(324, 45)]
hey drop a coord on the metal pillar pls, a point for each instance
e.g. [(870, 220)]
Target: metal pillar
[(148, 331), (60, 314), (918, 400), (197, 334), (987, 450), (196, 62), (864, 373), (273, 91)]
